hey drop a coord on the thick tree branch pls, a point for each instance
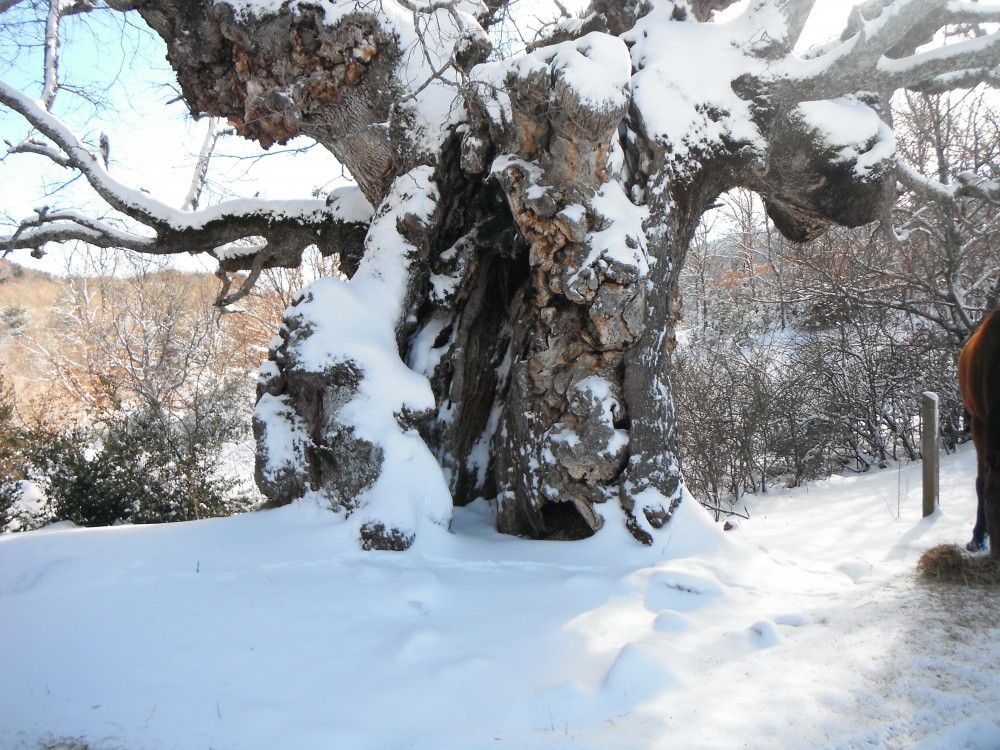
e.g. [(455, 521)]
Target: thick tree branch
[(776, 26), (881, 54), (132, 203), (345, 76), (974, 12), (67, 226), (963, 79), (981, 54), (287, 227), (286, 234)]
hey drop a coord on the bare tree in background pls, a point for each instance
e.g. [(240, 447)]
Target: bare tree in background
[(136, 345), (938, 258)]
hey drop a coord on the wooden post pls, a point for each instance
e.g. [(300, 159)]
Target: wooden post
[(929, 451)]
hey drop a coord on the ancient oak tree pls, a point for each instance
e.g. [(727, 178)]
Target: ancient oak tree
[(517, 228)]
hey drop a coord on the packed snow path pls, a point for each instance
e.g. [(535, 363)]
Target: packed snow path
[(803, 628)]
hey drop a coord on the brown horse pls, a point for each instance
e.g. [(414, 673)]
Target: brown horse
[(979, 382)]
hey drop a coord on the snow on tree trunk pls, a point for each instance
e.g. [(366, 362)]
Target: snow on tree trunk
[(547, 122), (508, 331), (338, 410)]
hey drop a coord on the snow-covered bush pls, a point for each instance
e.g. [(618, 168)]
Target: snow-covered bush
[(154, 391), (10, 477), (134, 470), (13, 319)]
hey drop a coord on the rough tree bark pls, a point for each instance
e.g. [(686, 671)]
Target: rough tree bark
[(531, 217)]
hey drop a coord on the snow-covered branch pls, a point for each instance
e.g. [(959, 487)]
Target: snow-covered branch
[(133, 203), (982, 54), (967, 185), (35, 146), (67, 226), (886, 53), (51, 54), (287, 227), (777, 26), (911, 179), (973, 12), (58, 10)]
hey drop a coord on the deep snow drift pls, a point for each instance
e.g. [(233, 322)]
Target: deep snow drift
[(803, 628)]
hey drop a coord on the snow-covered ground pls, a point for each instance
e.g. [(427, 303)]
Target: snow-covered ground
[(803, 628)]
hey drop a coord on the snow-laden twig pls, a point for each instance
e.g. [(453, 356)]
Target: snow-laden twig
[(216, 128), (51, 85), (58, 9), (968, 185)]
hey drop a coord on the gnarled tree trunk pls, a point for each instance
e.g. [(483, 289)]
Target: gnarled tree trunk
[(520, 270)]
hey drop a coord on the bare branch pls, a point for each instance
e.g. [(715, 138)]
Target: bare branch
[(226, 298), (430, 7)]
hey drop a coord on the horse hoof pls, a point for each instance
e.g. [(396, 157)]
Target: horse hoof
[(976, 546)]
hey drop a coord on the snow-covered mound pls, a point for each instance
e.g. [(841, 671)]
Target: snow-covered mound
[(802, 628)]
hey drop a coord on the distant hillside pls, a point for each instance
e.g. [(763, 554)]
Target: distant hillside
[(16, 279), (30, 299), (27, 297)]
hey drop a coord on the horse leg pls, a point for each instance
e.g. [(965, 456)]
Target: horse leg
[(991, 507), (978, 542), (992, 503)]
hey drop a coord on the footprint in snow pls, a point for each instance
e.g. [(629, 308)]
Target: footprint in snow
[(679, 592), (422, 646), (793, 620), (636, 674), (857, 570), (669, 621), (31, 577), (764, 634)]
